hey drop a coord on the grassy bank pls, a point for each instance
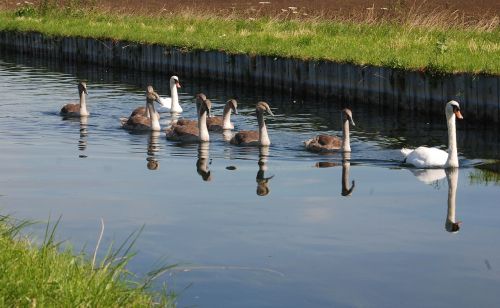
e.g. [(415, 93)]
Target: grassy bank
[(42, 275), (398, 45)]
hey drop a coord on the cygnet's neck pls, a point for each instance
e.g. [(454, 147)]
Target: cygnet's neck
[(146, 110), (346, 139), (202, 126), (155, 122), (452, 160), (83, 105), (263, 136), (226, 118)]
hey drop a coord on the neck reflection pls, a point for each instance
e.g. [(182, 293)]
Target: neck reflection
[(203, 161), (346, 165), (451, 224), (82, 142), (261, 179), (153, 148)]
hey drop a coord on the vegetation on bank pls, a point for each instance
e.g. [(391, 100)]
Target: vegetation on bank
[(46, 276), (413, 45)]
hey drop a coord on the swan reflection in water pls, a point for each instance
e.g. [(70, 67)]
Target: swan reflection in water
[(432, 177), (452, 225), (153, 148), (203, 161), (263, 182), (346, 165), (82, 142)]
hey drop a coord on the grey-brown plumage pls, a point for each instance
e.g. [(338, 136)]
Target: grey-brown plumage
[(199, 99), (187, 122), (141, 110), (329, 143), (220, 123), (192, 133), (255, 138), (77, 109), (139, 121), (324, 143)]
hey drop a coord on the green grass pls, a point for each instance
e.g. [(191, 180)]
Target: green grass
[(395, 45), (46, 276), (486, 174)]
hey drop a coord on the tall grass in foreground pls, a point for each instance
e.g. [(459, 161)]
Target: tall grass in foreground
[(407, 44), (43, 275)]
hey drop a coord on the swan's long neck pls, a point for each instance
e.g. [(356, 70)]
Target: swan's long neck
[(155, 122), (226, 118), (452, 177), (146, 110), (202, 126), (263, 136), (346, 140), (452, 143), (83, 105), (175, 97)]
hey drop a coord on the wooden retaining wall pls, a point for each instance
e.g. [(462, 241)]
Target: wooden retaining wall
[(479, 95)]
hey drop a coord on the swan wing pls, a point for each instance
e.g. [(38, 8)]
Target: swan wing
[(424, 157), (165, 102)]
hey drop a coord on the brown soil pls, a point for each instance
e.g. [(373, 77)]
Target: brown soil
[(288, 8)]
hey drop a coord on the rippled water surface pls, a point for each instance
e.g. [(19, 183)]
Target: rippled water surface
[(249, 227)]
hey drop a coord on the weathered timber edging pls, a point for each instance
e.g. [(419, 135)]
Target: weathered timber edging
[(479, 95)]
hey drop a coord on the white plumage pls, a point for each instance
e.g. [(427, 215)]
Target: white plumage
[(424, 157), (171, 103)]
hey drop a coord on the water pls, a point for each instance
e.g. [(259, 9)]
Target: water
[(251, 228)]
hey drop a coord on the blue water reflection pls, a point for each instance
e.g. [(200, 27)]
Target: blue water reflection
[(255, 227)]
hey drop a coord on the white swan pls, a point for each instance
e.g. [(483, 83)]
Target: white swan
[(171, 103), (424, 157)]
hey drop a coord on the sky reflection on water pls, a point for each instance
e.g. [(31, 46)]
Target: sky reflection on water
[(249, 227)]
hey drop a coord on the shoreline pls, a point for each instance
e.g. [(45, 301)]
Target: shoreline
[(414, 91)]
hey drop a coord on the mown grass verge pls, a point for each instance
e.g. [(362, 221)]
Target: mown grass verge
[(46, 276), (395, 45)]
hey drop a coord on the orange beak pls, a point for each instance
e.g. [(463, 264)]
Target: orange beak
[(177, 84), (458, 114)]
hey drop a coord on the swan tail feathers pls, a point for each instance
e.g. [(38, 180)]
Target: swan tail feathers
[(123, 121), (406, 151), (166, 102)]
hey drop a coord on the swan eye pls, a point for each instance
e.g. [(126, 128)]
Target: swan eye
[(456, 108)]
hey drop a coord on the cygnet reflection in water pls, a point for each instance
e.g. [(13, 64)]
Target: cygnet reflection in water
[(203, 161), (153, 148), (346, 165), (263, 181), (82, 142)]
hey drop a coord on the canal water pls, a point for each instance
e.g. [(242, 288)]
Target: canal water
[(250, 227)]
